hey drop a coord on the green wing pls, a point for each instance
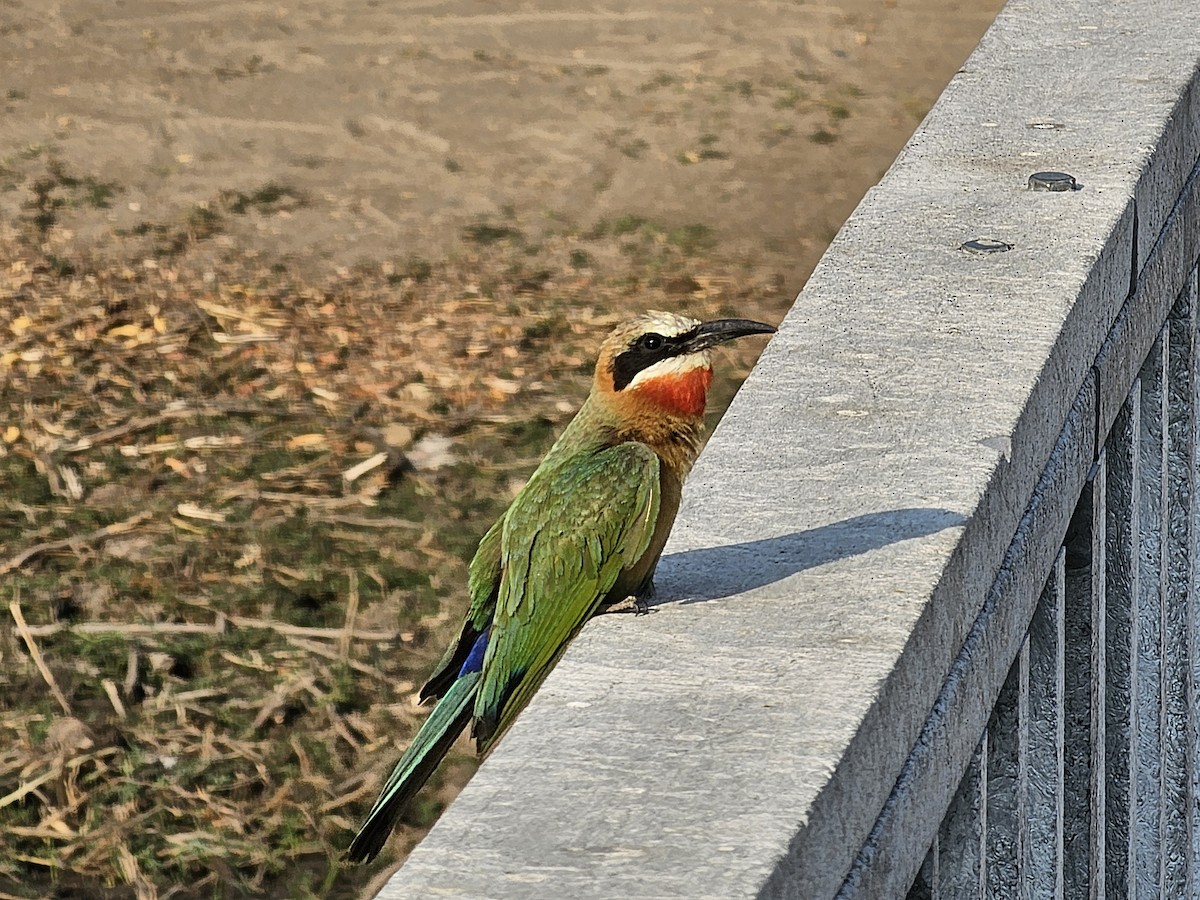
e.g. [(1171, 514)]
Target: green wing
[(483, 583), (565, 540)]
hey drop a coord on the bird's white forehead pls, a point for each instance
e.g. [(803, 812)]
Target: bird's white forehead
[(666, 324)]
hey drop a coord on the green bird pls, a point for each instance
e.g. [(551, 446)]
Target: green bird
[(585, 533)]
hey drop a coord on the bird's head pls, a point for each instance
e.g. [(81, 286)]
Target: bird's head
[(661, 360)]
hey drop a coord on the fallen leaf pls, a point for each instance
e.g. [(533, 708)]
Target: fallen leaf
[(397, 435), (178, 467), (432, 452), (194, 511), (306, 441)]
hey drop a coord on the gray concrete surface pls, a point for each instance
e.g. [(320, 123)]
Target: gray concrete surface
[(846, 524)]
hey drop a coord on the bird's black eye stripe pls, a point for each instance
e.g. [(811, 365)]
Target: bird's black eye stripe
[(644, 352)]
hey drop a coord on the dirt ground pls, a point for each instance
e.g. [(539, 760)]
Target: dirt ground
[(293, 295), (380, 131)]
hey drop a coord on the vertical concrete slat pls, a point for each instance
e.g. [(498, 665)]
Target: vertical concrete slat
[(1023, 783), (1043, 861), (1004, 803), (961, 859), (1147, 687), (1121, 575), (925, 887), (1083, 714), (1176, 708), (1099, 645), (1193, 626)]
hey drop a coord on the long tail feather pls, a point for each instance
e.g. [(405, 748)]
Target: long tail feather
[(423, 755)]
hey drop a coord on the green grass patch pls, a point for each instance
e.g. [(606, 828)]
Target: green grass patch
[(484, 233), (269, 198)]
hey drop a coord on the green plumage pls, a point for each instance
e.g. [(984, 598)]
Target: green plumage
[(584, 519), (432, 743), (587, 530)]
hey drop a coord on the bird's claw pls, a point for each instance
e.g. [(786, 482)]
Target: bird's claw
[(633, 603)]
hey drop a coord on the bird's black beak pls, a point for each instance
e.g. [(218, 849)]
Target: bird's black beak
[(721, 330)]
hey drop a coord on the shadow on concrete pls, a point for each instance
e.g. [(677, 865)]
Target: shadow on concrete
[(713, 573)]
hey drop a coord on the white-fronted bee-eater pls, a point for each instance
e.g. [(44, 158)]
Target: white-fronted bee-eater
[(584, 533)]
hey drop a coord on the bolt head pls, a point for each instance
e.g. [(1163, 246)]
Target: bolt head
[(1051, 181), (986, 245)]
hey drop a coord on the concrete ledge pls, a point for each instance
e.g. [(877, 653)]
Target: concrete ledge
[(842, 535)]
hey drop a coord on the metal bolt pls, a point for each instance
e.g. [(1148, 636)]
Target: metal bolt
[(1051, 181), (986, 245)]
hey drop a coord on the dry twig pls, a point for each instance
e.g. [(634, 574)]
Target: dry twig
[(321, 650), (145, 423), (351, 614), (91, 537), (36, 655), (332, 634), (129, 628)]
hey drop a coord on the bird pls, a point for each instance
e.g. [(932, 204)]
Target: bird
[(583, 535)]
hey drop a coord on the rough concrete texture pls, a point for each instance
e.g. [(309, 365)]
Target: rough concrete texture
[(843, 529)]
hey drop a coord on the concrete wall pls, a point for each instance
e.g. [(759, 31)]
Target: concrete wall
[(864, 542)]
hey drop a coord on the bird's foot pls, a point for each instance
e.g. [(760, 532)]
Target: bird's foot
[(635, 604)]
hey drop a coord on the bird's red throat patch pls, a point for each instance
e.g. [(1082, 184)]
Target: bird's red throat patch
[(679, 393)]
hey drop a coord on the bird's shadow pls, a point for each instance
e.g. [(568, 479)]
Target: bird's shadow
[(714, 573)]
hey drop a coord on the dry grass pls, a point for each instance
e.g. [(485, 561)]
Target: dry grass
[(236, 515)]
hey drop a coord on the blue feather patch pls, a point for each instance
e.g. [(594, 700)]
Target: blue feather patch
[(474, 660)]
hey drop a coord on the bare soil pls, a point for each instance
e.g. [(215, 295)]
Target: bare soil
[(332, 133), (293, 295)]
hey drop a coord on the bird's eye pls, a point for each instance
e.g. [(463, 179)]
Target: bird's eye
[(652, 341)]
